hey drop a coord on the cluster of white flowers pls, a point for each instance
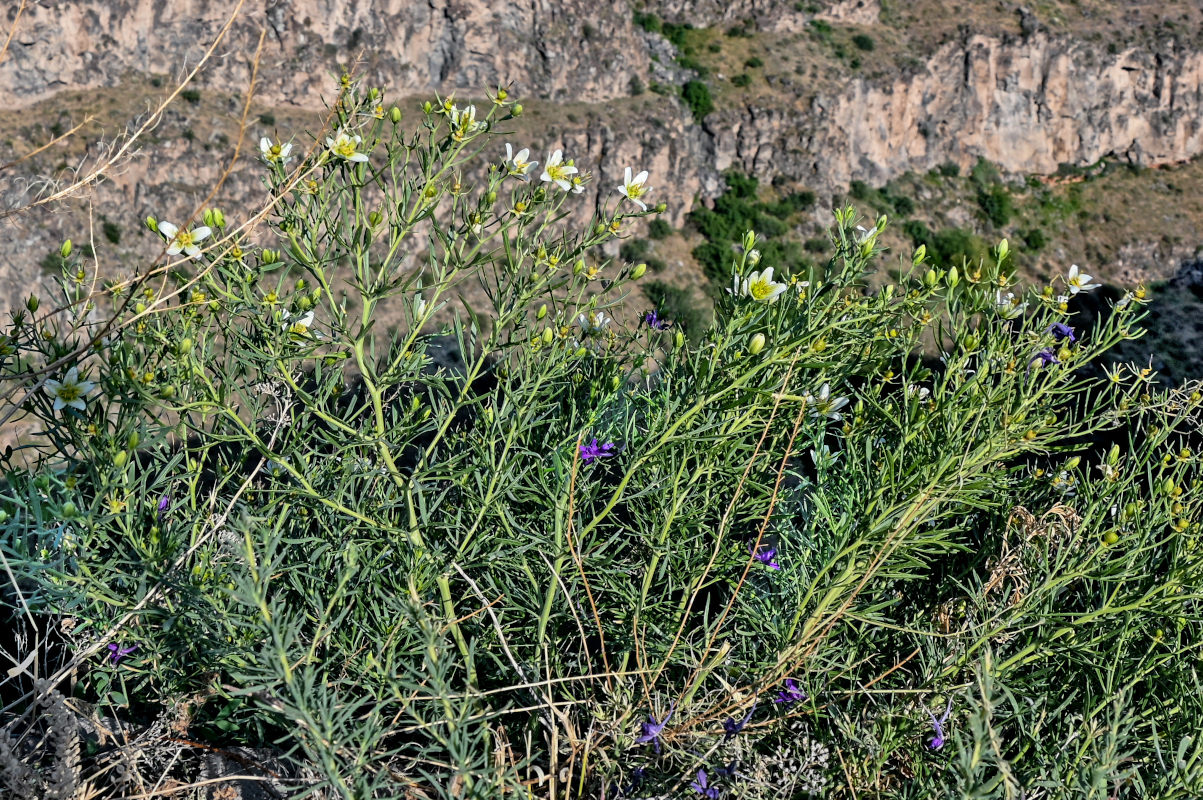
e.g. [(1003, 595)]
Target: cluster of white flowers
[(1009, 306), (346, 146), (1078, 281), (70, 391), (185, 242), (759, 286)]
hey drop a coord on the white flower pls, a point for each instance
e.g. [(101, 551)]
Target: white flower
[(633, 189), (517, 164), (275, 153), (753, 256), (578, 183), (760, 286), (299, 326), (922, 391), (825, 405), (1079, 281), (1009, 306), (557, 172), (863, 235), (419, 307), (345, 145), (183, 241), (70, 391), (463, 122), (594, 322)]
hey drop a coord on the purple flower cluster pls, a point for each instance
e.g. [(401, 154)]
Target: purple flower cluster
[(1045, 357), (792, 693), (766, 557), (1062, 332), (731, 727), (652, 729), (117, 652), (593, 450), (937, 740), (653, 321)]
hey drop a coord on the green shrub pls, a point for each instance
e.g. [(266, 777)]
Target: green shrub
[(659, 229), (817, 244), (512, 539), (755, 62), (1034, 238), (267, 118), (949, 169), (864, 42), (697, 99), (111, 230), (634, 249), (995, 203), (742, 80), (635, 86), (191, 95), (648, 21)]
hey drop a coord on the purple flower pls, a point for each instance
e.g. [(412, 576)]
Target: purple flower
[(164, 502), (637, 777), (937, 741), (594, 450), (766, 557), (652, 729), (790, 694), (1045, 357), (702, 786), (727, 771), (1061, 332), (731, 727), (653, 321), (116, 652)]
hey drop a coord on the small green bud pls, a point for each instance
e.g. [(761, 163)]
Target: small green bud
[(517, 110), (679, 340), (542, 312), (548, 336), (581, 352), (749, 240), (132, 440), (120, 459), (69, 510), (1113, 455), (304, 303), (578, 267), (394, 114), (427, 107), (270, 256), (373, 93), (1003, 249), (599, 229), (3, 516), (139, 308), (219, 218), (1065, 354), (153, 224), (65, 250), (920, 254), (167, 391), (757, 344), (1073, 462), (615, 382), (374, 218), (637, 273), (930, 279), (661, 208), (32, 303), (208, 218), (954, 277)]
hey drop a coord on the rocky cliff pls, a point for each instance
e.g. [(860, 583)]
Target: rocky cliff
[(1022, 94)]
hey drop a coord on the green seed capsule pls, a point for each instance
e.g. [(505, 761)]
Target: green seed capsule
[(120, 459), (638, 271), (65, 250)]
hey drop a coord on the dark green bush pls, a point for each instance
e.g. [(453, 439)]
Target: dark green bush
[(742, 80), (696, 95), (648, 21), (755, 62), (191, 95), (864, 42), (659, 229), (995, 203)]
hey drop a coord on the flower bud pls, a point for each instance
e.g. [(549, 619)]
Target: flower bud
[(637, 273), (208, 218), (374, 218), (1003, 249), (394, 114), (661, 208), (3, 516), (930, 279), (581, 352), (132, 440), (1073, 462), (548, 336), (139, 308), (65, 250), (679, 340), (749, 240), (153, 224), (502, 93), (517, 110), (219, 219), (491, 198), (578, 267), (1110, 537), (120, 459), (69, 510), (427, 107), (1113, 455), (542, 312), (920, 254), (615, 382), (32, 303), (757, 344), (954, 277)]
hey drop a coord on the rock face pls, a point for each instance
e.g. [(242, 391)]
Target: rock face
[(1027, 103)]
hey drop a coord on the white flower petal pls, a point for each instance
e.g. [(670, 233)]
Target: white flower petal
[(168, 230)]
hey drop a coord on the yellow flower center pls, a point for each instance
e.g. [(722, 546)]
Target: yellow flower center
[(634, 190), (345, 147), (184, 239), (275, 152), (68, 392), (556, 171), (760, 289)]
